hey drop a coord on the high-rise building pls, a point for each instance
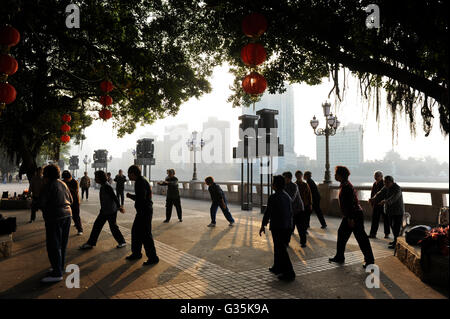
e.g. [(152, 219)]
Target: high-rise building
[(346, 147), (219, 131)]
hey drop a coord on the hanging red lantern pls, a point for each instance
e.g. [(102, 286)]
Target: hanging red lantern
[(9, 36), (253, 54), (254, 83), (254, 25), (65, 138), (8, 65), (7, 93), (105, 114), (66, 118), (106, 86), (65, 128), (105, 100)]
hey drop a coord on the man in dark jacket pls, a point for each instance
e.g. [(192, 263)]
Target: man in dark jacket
[(218, 199), (72, 184), (55, 201), (173, 195), (109, 205), (279, 213), (378, 210), (120, 180), (298, 210), (141, 231), (85, 183), (392, 198), (315, 199)]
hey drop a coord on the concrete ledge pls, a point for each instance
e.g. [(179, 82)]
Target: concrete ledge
[(410, 256), (5, 246)]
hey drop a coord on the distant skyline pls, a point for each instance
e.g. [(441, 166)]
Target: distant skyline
[(307, 103)]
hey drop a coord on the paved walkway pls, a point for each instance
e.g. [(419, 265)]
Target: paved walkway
[(200, 262)]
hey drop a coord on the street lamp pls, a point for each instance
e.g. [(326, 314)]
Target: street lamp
[(331, 126), (193, 145), (86, 161)]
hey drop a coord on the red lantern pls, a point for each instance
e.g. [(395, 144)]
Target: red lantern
[(105, 114), (254, 25), (65, 128), (254, 83), (66, 118), (8, 65), (106, 86), (253, 54), (65, 138), (105, 100), (7, 93), (9, 36)]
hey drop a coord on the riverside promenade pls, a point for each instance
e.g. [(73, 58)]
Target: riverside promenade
[(200, 262)]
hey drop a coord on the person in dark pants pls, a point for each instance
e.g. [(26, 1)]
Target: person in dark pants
[(141, 231), (298, 210), (279, 213), (36, 184), (218, 200), (306, 195), (85, 183), (109, 205), (353, 221), (55, 201), (120, 180), (315, 199), (378, 210), (392, 198), (72, 184), (173, 195)]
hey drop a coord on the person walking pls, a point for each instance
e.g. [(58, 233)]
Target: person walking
[(305, 193), (218, 200), (279, 213), (74, 189), (120, 180), (298, 209), (36, 184), (141, 231), (391, 197), (55, 201), (315, 199), (109, 205), (173, 195), (352, 221), (109, 179), (85, 183), (378, 210)]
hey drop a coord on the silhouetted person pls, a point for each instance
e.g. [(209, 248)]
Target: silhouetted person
[(55, 201), (279, 213), (353, 221), (36, 184), (173, 195), (298, 210), (392, 198), (315, 199), (141, 232), (72, 184), (109, 205), (109, 179), (120, 180), (305, 193), (378, 210), (85, 183), (218, 200)]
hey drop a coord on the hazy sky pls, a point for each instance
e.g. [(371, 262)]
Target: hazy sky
[(308, 100)]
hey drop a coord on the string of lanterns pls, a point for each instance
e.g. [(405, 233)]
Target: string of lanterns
[(105, 100), (65, 128), (9, 37), (254, 54)]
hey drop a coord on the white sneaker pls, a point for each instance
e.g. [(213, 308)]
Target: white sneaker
[(121, 245), (231, 224), (212, 225), (50, 279), (80, 233)]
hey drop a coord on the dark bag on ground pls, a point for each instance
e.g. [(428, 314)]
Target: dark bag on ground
[(416, 233), (8, 225)]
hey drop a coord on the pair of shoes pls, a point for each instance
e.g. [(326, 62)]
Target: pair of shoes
[(80, 233), (133, 257), (386, 236), (51, 279), (286, 277), (368, 263), (324, 226), (336, 260), (231, 224), (166, 221), (180, 220), (121, 245), (373, 236), (391, 246), (86, 246), (212, 225), (274, 270), (303, 245), (151, 261)]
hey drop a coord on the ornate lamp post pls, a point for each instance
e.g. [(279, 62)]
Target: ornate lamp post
[(193, 145), (86, 161), (331, 125)]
